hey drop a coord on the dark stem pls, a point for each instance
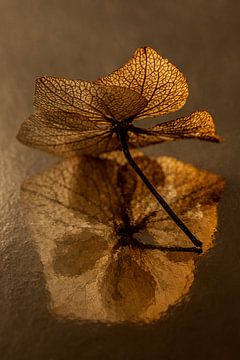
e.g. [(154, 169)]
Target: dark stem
[(122, 133)]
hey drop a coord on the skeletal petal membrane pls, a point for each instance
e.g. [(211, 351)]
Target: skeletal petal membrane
[(75, 117), (198, 125), (67, 134), (99, 103), (153, 77)]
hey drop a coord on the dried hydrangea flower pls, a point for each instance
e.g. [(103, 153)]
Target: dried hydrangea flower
[(78, 117)]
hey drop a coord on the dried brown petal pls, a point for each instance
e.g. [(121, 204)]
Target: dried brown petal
[(78, 117), (153, 77), (199, 125), (66, 134), (98, 103)]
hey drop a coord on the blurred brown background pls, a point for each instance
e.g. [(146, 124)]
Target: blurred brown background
[(87, 39)]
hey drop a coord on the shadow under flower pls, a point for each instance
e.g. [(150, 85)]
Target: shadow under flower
[(93, 222)]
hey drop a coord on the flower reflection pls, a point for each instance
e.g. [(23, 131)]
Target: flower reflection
[(89, 218)]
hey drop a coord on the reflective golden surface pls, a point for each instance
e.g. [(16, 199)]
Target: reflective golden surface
[(84, 215)]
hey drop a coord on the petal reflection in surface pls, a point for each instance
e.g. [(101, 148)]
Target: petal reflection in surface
[(75, 212)]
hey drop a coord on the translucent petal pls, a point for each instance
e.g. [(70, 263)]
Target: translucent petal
[(66, 134), (99, 103), (153, 77), (199, 125)]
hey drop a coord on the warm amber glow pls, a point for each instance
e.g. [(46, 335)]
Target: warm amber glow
[(75, 211), (77, 117)]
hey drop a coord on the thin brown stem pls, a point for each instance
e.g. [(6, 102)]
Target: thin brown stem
[(122, 133)]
